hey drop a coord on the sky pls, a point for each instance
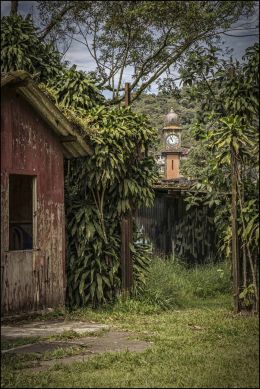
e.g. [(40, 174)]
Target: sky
[(78, 55)]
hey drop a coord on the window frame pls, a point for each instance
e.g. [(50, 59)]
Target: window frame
[(34, 210)]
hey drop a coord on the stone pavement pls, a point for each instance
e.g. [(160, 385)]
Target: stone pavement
[(109, 340)]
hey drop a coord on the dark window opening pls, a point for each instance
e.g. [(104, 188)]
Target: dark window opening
[(20, 212), (172, 164)]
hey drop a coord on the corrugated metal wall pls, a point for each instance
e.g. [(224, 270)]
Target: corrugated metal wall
[(187, 235)]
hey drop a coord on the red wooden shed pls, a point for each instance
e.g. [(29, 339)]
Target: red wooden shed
[(35, 137)]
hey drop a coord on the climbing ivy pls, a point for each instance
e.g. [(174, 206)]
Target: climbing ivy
[(99, 191)]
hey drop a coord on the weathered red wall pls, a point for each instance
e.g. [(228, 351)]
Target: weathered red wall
[(32, 279)]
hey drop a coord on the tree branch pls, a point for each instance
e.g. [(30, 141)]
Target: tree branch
[(141, 71), (55, 20), (159, 72), (124, 62)]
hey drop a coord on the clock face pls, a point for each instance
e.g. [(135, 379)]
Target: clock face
[(172, 140)]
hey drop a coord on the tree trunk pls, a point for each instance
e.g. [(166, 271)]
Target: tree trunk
[(14, 7)]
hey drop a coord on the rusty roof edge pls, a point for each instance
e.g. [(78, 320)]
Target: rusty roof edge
[(15, 76), (45, 107), (74, 148)]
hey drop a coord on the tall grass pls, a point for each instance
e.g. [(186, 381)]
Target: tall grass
[(172, 284)]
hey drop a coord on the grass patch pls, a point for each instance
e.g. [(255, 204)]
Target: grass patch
[(70, 335), (62, 352), (175, 285), (197, 340), (191, 348), (16, 362), (7, 344), (12, 361)]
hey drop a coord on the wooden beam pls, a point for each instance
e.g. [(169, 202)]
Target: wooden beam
[(126, 235), (127, 94), (14, 8), (234, 244)]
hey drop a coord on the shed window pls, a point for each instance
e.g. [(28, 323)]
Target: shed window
[(20, 212)]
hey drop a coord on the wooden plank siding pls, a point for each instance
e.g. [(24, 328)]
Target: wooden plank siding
[(32, 279)]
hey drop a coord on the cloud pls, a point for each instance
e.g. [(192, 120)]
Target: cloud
[(5, 7), (80, 56), (24, 7)]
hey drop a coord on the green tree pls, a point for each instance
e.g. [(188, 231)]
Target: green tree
[(227, 132), (151, 37)]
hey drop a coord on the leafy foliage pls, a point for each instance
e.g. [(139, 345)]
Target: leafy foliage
[(100, 190), (21, 49), (75, 89), (227, 133)]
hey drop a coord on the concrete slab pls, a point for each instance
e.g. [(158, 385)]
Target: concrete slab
[(48, 328)]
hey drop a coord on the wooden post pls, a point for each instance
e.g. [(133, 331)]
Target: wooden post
[(126, 235), (127, 94), (126, 259), (235, 250), (14, 7)]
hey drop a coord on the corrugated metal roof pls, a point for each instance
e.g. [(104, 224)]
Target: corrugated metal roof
[(73, 144)]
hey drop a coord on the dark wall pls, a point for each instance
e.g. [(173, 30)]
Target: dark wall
[(188, 235)]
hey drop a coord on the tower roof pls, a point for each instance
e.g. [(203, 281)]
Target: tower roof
[(172, 119)]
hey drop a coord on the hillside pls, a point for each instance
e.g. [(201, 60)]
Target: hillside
[(156, 108)]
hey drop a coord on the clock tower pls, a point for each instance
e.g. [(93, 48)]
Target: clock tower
[(172, 150)]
